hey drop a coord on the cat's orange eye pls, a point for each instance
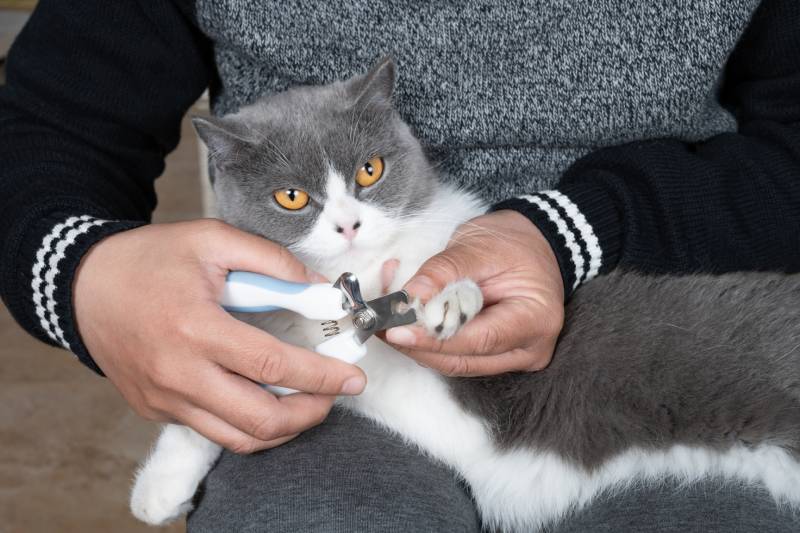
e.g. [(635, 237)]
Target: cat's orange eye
[(292, 199), (370, 173)]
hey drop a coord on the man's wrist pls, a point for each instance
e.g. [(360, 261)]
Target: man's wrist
[(46, 254), (571, 229)]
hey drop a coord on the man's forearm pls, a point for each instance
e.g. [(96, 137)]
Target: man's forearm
[(729, 203), (93, 102)]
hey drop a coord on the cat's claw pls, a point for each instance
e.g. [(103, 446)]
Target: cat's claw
[(457, 304)]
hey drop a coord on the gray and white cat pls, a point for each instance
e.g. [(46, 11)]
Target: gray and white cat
[(688, 377)]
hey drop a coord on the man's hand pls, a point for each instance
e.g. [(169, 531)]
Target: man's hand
[(146, 302), (513, 264)]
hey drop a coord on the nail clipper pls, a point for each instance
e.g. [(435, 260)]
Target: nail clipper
[(345, 320)]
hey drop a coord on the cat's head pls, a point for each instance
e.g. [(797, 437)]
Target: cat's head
[(326, 171)]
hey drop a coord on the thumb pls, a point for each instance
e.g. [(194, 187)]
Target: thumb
[(437, 272), (238, 250)]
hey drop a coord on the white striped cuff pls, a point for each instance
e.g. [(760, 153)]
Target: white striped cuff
[(52, 251), (585, 254)]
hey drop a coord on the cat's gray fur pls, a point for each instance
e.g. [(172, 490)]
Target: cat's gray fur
[(642, 361), (655, 361)]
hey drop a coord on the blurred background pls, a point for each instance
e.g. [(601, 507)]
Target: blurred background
[(68, 442)]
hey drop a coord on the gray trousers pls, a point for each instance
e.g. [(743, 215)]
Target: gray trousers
[(348, 475)]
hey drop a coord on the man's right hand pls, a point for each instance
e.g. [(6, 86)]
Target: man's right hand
[(146, 304)]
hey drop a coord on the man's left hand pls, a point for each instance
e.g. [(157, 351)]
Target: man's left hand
[(517, 272)]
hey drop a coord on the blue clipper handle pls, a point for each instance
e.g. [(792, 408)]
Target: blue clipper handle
[(248, 292)]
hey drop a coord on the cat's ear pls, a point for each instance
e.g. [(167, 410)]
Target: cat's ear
[(377, 84), (221, 136)]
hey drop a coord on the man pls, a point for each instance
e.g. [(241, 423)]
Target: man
[(666, 139)]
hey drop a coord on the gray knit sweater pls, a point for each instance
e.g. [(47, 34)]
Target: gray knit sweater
[(506, 94)]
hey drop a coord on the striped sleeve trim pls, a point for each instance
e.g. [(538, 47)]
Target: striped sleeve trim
[(53, 250), (591, 244), (575, 250), (573, 239), (47, 265)]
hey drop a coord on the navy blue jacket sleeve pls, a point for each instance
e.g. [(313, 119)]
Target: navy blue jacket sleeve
[(93, 101)]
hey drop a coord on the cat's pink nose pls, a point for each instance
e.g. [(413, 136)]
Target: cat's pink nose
[(349, 231)]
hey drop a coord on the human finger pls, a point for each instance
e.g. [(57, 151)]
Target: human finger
[(436, 273), (254, 354), (217, 430), (482, 365), (234, 249), (255, 411), (497, 329)]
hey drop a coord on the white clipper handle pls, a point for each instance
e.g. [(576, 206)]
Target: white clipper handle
[(343, 346), (248, 292)]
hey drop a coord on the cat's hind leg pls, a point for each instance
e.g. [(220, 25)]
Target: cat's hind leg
[(446, 312), (168, 478)]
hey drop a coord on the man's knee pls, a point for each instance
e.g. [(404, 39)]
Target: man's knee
[(712, 506), (346, 475)]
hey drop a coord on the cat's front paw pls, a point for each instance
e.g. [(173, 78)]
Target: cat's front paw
[(158, 498), (446, 312)]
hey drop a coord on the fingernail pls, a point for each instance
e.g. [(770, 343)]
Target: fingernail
[(354, 386), (402, 336), (421, 287)]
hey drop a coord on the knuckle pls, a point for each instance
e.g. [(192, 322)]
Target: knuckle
[(161, 374), (271, 368), (488, 340), (320, 382), (185, 328), (151, 407), (319, 417), (430, 343), (437, 345), (243, 445), (456, 366), (265, 428), (536, 366), (319, 413), (444, 264), (536, 361)]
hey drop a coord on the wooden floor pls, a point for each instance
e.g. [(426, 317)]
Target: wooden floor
[(68, 443)]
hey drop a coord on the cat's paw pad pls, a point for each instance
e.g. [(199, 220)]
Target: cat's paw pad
[(159, 498), (457, 304)]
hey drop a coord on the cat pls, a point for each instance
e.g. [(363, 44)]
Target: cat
[(686, 377)]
